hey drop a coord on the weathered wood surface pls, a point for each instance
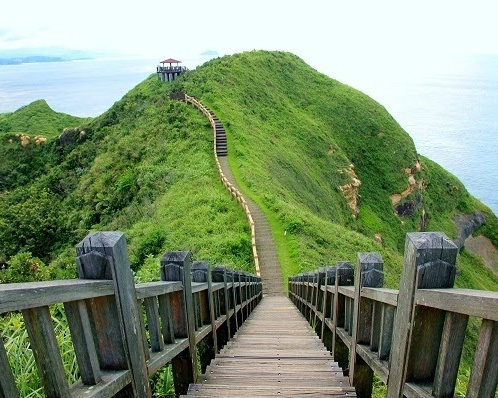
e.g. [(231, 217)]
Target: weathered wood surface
[(20, 296), (104, 255), (274, 353), (8, 388), (429, 263)]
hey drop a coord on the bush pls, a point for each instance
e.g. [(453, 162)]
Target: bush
[(23, 267)]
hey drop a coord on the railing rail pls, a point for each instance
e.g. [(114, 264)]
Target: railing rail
[(412, 338), (227, 184), (124, 332)]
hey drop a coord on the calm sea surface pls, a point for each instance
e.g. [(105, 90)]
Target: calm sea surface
[(449, 107)]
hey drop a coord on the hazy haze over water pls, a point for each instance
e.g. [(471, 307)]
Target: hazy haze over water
[(449, 106)]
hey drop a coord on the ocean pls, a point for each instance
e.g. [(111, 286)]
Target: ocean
[(448, 106)]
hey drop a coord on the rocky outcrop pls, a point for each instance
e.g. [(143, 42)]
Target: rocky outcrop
[(467, 224), (350, 190)]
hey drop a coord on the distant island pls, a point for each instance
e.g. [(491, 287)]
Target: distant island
[(31, 59), (34, 55), (210, 53)]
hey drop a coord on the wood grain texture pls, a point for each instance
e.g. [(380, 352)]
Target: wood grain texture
[(8, 388), (484, 375), (176, 266), (370, 273), (274, 353), (104, 255), (19, 296), (425, 252), (84, 345), (46, 352), (450, 352)]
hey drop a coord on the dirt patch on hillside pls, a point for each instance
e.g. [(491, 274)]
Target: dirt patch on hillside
[(485, 249), (350, 190), (412, 184)]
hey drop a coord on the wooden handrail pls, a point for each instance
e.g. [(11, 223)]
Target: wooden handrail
[(232, 189), (105, 312), (411, 338)]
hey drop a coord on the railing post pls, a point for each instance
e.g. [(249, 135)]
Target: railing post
[(176, 266), (219, 274), (344, 276), (8, 388), (103, 255), (429, 263), (369, 273), (233, 300), (202, 274), (326, 333)]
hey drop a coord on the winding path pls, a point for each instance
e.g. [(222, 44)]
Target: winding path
[(263, 243)]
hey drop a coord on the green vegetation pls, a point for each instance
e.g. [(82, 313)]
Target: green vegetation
[(324, 161), (293, 135)]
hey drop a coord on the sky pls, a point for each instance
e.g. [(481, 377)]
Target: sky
[(316, 30)]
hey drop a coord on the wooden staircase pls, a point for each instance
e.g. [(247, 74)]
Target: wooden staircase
[(274, 354), (221, 137)]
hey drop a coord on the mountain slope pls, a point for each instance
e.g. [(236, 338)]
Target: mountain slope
[(329, 164), (144, 167)]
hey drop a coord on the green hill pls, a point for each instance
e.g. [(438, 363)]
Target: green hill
[(24, 137), (333, 171), (327, 162)]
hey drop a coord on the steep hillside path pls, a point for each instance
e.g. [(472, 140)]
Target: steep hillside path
[(274, 354), (264, 249), (267, 252)]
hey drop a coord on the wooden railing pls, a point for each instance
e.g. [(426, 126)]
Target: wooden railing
[(227, 184), (123, 333), (412, 338)]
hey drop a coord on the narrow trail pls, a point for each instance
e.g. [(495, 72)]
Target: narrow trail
[(264, 249), (267, 251), (274, 354)]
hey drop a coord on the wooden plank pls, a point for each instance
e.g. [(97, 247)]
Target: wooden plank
[(154, 324), (165, 313), (20, 296), (46, 352), (370, 273), (376, 326), (450, 352), (484, 375), (145, 342), (113, 382), (152, 289), (8, 388), (382, 295), (428, 263), (84, 345), (114, 263), (478, 303), (386, 331), (176, 266)]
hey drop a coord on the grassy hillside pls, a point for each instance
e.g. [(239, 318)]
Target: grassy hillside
[(144, 167), (325, 161), (24, 135), (333, 171)]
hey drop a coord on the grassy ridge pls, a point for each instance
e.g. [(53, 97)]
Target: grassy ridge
[(293, 133)]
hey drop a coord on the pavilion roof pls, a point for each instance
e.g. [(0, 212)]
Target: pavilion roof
[(170, 61)]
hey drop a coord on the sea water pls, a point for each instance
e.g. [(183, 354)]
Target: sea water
[(449, 107)]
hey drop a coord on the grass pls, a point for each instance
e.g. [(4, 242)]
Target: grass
[(145, 167)]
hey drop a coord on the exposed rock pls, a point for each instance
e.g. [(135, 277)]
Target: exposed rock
[(39, 139), (350, 190), (412, 184), (378, 238), (484, 248), (467, 224), (69, 136)]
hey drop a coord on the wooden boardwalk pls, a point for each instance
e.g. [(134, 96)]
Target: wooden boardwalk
[(268, 260), (274, 354)]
